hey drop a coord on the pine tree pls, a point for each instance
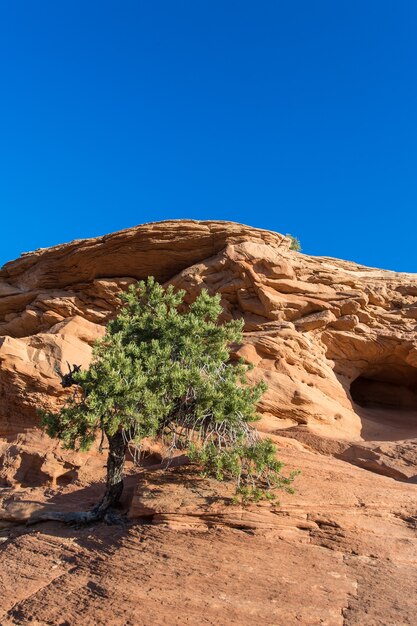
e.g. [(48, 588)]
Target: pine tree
[(163, 371)]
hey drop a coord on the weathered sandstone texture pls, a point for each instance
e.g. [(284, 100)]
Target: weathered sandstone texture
[(335, 341), (340, 552), (337, 344)]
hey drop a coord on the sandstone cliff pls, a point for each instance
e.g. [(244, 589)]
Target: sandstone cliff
[(335, 341)]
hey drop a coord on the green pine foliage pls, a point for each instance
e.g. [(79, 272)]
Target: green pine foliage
[(295, 243), (163, 371)]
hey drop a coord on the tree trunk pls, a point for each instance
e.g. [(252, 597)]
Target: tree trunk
[(114, 488), (115, 470)]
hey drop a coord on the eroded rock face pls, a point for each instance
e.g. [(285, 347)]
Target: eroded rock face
[(335, 341), (341, 552)]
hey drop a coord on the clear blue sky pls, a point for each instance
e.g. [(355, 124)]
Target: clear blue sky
[(298, 116)]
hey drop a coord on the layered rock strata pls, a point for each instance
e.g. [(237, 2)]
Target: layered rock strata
[(335, 341)]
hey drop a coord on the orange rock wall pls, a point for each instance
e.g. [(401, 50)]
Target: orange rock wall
[(312, 325)]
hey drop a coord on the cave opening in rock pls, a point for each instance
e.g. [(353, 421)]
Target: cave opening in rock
[(388, 385)]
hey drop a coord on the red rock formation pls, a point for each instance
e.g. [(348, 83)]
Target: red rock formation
[(340, 552), (335, 341)]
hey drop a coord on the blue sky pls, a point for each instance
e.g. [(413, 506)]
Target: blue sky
[(295, 116)]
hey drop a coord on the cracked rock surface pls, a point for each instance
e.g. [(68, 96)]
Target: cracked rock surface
[(336, 343), (340, 552)]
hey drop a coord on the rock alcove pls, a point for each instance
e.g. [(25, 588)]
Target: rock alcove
[(388, 385)]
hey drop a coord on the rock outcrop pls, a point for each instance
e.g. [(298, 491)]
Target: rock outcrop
[(340, 552), (335, 341)]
